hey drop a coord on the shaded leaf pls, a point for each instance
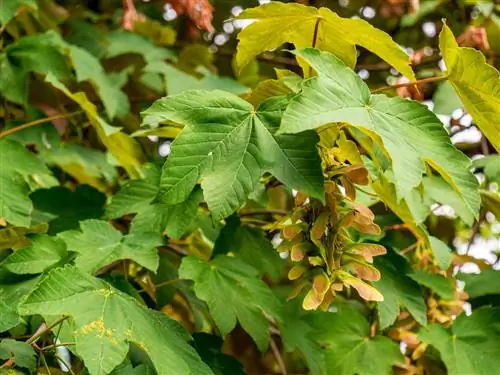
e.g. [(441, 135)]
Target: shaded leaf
[(246, 298), (398, 291), (139, 196), (441, 285), (21, 171), (20, 352), (348, 347), (67, 208), (44, 252), (98, 244), (471, 345), (485, 283), (209, 348)]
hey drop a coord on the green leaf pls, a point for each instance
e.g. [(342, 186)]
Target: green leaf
[(9, 8), (88, 68), (209, 348), (20, 352), (129, 370), (476, 83), (471, 345), (251, 246), (491, 201), (9, 317), (445, 100), (139, 196), (178, 80), (124, 148), (121, 42), (65, 208), (99, 244), (485, 283), (277, 23), (107, 321), (44, 252), (87, 166), (348, 347), (12, 291), (438, 283), (228, 145), (398, 290), (41, 53), (298, 333), (246, 298), (441, 252), (490, 165), (437, 190), (412, 135), (21, 172)]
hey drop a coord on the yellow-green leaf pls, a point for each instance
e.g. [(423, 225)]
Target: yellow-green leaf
[(476, 83), (278, 23)]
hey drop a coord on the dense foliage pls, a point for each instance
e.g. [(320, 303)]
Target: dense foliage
[(299, 199)]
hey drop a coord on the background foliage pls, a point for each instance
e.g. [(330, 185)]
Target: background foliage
[(195, 187)]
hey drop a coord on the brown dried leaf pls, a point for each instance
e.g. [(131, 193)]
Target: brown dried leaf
[(199, 11), (319, 227)]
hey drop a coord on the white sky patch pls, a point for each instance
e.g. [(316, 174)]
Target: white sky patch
[(429, 29), (236, 10), (364, 74), (369, 12), (170, 14), (221, 39), (469, 135), (228, 27), (164, 149)]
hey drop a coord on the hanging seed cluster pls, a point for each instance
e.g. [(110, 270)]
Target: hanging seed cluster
[(320, 237)]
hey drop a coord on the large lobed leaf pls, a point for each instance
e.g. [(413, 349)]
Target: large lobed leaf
[(278, 23), (107, 320), (413, 137), (20, 172), (228, 145), (99, 244), (139, 197), (244, 297), (471, 345), (348, 347), (476, 83)]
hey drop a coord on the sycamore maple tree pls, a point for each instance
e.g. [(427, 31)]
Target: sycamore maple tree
[(291, 195)]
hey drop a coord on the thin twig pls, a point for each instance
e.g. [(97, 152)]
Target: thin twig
[(65, 364), (37, 334), (49, 347), (414, 83), (7, 132), (35, 337), (410, 248), (277, 355)]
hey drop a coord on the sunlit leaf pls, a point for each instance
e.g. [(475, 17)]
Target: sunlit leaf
[(476, 83), (278, 23)]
